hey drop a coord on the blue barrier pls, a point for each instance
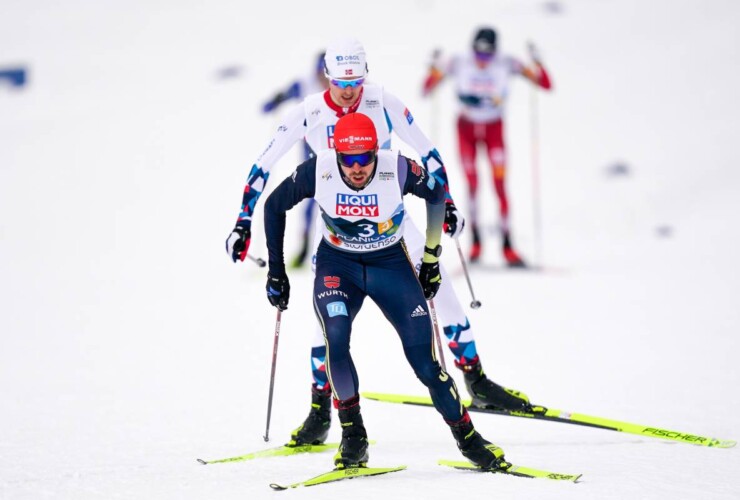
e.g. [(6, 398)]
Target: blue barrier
[(17, 77)]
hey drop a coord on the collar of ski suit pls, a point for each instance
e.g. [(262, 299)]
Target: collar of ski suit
[(340, 111)]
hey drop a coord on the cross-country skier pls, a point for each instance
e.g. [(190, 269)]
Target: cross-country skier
[(297, 90), (359, 190), (482, 84), (315, 119)]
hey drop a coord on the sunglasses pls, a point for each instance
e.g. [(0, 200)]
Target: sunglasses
[(343, 84), (483, 56), (349, 159)]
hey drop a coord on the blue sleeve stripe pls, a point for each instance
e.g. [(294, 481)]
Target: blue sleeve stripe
[(388, 120)]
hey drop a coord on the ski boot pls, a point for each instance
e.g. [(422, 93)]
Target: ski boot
[(476, 248), (475, 448), (510, 256), (353, 448), (315, 429), (488, 394)]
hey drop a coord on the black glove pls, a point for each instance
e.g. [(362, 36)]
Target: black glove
[(278, 291), (430, 279), (454, 221), (237, 243), (273, 103)]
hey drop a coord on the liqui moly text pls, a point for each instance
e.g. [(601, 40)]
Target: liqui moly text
[(357, 205)]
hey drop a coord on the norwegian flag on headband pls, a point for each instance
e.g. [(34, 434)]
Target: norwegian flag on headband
[(348, 72)]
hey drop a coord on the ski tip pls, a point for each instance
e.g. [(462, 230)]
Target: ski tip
[(278, 487), (727, 443), (201, 461), (571, 478)]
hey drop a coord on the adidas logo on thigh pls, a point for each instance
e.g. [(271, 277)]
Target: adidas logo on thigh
[(419, 311)]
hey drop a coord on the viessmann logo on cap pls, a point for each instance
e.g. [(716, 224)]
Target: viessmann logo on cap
[(351, 139)]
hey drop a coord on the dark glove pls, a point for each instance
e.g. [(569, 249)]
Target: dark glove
[(278, 291), (237, 243), (430, 279), (454, 221), (294, 91), (273, 103)]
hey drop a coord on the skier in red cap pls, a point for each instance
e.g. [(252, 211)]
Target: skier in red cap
[(359, 190)]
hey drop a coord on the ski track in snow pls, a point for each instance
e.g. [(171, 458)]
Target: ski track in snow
[(131, 345)]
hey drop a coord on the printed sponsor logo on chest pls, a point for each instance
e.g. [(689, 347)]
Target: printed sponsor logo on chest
[(357, 205)]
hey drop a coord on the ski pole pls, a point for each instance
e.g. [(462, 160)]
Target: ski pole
[(475, 304), (272, 375), (535, 159), (433, 101), (257, 260), (435, 326)]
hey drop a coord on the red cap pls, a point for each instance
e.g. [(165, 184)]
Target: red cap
[(355, 132)]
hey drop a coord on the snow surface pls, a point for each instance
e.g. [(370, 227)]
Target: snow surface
[(130, 344)]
